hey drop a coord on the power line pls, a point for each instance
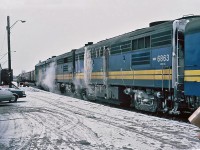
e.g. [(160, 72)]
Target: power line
[(3, 42), (3, 56), (4, 62)]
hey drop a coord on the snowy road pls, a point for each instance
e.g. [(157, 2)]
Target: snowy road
[(45, 120)]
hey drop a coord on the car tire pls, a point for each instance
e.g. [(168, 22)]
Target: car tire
[(16, 97), (15, 100)]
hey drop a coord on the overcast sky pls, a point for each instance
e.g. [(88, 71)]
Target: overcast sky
[(54, 27)]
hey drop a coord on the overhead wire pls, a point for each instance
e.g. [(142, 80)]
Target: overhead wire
[(3, 42)]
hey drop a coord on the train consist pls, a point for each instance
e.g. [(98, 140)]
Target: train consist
[(26, 77), (151, 69)]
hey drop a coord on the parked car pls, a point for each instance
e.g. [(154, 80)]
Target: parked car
[(24, 84), (7, 96), (15, 90)]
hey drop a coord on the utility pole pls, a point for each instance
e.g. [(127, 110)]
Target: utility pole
[(10, 73), (9, 55)]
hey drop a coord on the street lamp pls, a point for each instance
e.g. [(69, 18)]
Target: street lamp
[(9, 48)]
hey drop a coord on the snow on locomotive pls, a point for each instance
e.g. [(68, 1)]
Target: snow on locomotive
[(152, 69)]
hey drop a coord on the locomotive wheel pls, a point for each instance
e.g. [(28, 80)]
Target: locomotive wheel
[(62, 88), (73, 90), (84, 95), (136, 102), (132, 102)]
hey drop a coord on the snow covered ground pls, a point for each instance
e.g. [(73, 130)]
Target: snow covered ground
[(44, 120)]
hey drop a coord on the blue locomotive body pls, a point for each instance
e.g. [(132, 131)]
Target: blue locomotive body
[(192, 59), (152, 69), (149, 68)]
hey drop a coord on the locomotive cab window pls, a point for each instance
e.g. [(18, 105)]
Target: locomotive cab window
[(141, 43), (147, 42), (135, 44), (66, 60)]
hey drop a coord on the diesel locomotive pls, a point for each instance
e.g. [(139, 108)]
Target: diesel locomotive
[(153, 69)]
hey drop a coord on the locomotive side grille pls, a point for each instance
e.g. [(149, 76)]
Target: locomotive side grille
[(97, 52), (141, 58), (160, 39), (65, 68), (121, 47), (60, 61), (68, 59), (79, 56)]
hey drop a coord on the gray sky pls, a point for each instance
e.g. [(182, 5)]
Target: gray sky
[(54, 27)]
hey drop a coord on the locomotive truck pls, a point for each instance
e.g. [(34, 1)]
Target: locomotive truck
[(153, 69)]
